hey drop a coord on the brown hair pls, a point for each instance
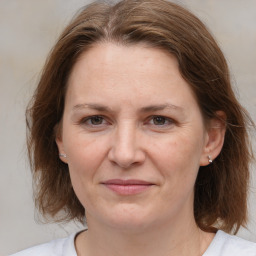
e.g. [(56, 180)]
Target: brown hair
[(221, 188)]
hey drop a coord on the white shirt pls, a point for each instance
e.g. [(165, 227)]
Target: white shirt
[(222, 245)]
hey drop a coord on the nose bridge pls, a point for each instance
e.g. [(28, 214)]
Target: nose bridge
[(125, 140), (126, 149)]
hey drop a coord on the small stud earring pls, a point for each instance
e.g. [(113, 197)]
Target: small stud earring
[(63, 155), (209, 159)]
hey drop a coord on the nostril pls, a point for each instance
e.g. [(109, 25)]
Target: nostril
[(126, 159)]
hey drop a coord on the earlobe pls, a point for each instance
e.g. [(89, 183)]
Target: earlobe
[(59, 142), (214, 139)]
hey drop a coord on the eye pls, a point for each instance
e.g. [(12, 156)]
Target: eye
[(161, 121), (94, 121)]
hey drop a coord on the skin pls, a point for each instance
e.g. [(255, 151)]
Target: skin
[(111, 131)]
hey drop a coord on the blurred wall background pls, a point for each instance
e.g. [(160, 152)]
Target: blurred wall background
[(28, 30)]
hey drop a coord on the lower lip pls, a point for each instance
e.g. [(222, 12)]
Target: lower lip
[(128, 189)]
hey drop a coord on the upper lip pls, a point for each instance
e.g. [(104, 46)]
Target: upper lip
[(127, 182)]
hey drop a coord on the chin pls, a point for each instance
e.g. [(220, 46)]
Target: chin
[(130, 218)]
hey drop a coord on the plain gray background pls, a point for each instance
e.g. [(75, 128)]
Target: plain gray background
[(28, 30)]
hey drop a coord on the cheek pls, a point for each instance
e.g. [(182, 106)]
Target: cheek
[(177, 151), (85, 155), (83, 148), (178, 161)]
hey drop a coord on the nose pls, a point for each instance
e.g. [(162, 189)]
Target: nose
[(126, 149)]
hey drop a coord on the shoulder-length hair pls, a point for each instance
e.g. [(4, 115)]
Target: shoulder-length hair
[(221, 188)]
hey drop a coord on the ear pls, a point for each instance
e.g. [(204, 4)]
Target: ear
[(59, 142), (214, 140)]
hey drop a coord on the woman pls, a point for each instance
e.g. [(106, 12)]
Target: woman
[(134, 122)]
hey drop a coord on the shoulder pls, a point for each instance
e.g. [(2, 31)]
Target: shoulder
[(58, 247), (228, 245)]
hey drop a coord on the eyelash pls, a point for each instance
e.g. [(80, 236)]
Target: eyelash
[(90, 118), (85, 121), (166, 119)]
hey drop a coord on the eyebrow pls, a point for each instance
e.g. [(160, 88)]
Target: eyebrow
[(150, 108), (153, 108), (94, 106)]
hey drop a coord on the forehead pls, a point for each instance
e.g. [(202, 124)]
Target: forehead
[(128, 72), (119, 59)]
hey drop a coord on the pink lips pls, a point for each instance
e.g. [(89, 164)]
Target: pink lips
[(127, 187)]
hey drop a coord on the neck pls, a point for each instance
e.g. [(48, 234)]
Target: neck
[(174, 239)]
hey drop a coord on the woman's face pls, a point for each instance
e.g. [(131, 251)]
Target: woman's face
[(134, 137)]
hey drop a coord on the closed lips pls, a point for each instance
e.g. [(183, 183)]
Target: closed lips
[(126, 182), (127, 187)]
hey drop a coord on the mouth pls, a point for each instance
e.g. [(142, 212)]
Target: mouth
[(127, 187)]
